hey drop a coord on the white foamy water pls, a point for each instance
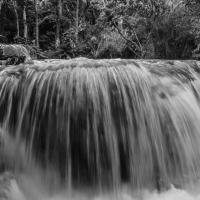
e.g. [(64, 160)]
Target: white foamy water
[(100, 124), (34, 193), (32, 187)]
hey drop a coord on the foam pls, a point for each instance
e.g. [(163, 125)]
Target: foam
[(15, 193)]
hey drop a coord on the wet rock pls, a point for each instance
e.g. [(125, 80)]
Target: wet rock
[(14, 55)]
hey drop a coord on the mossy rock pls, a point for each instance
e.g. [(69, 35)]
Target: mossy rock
[(14, 55)]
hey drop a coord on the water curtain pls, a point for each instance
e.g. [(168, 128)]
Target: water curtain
[(105, 123)]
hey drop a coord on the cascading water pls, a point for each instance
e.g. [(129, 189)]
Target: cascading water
[(102, 125)]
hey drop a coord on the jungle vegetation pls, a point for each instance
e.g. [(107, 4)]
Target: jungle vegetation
[(161, 29)]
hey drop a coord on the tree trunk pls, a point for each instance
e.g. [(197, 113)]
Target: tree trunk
[(36, 24), (77, 20), (1, 24), (25, 21), (58, 24), (1, 2), (17, 17)]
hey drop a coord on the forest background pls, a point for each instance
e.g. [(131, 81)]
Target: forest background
[(141, 29)]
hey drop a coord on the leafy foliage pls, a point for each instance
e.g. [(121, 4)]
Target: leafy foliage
[(108, 29)]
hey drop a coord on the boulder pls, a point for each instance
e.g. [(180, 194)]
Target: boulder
[(14, 55)]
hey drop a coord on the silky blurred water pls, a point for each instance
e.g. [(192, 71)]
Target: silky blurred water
[(100, 129)]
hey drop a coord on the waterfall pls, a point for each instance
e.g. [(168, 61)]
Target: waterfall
[(104, 123)]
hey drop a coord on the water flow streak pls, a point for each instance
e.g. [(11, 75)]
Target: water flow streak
[(106, 123)]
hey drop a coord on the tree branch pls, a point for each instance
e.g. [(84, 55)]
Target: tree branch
[(129, 41)]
